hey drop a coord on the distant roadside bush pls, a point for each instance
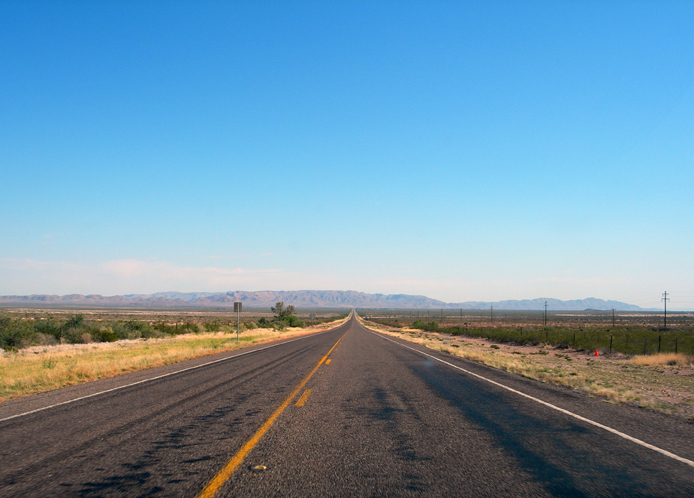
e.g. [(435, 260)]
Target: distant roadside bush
[(48, 327), (14, 333), (20, 332), (428, 326), (104, 334), (212, 326), (175, 329), (630, 340), (292, 321), (73, 335)]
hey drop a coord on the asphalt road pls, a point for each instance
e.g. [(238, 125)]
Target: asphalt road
[(374, 417)]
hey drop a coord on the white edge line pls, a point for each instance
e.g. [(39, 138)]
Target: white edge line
[(566, 412), (157, 377)]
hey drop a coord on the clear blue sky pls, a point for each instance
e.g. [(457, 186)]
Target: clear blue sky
[(461, 150)]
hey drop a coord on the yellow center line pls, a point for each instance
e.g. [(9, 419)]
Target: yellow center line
[(327, 362), (225, 474), (302, 399)]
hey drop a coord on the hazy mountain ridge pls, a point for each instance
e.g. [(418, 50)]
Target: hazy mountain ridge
[(307, 299)]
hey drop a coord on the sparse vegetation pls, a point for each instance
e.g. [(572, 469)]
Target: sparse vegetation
[(28, 328), (40, 366), (631, 340)]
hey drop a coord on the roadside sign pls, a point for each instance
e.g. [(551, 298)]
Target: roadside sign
[(237, 309)]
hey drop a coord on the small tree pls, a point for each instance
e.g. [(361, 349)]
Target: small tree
[(281, 313)]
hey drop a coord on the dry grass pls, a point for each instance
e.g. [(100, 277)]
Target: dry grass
[(44, 368), (660, 382), (663, 359)]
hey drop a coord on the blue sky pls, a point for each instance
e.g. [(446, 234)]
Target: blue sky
[(461, 150)]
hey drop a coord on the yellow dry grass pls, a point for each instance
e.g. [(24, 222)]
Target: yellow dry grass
[(663, 359), (42, 369)]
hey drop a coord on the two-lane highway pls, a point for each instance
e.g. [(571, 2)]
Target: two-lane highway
[(347, 412)]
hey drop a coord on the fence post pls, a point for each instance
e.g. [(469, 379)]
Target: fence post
[(659, 343), (675, 345), (610, 344)]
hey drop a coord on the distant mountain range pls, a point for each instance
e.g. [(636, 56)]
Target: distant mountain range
[(304, 299)]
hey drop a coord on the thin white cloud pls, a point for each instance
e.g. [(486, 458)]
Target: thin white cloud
[(580, 281), (127, 276)]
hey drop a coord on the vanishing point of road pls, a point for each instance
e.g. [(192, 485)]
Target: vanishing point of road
[(346, 412)]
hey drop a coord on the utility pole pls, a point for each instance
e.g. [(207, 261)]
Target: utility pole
[(491, 314), (665, 300), (545, 320)]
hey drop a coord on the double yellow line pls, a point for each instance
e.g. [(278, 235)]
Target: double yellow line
[(225, 474)]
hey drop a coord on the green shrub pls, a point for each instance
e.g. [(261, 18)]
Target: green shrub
[(46, 339), (165, 328), (73, 335), (292, 321), (134, 329), (15, 333), (428, 326), (48, 327), (73, 322), (213, 326), (104, 334)]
